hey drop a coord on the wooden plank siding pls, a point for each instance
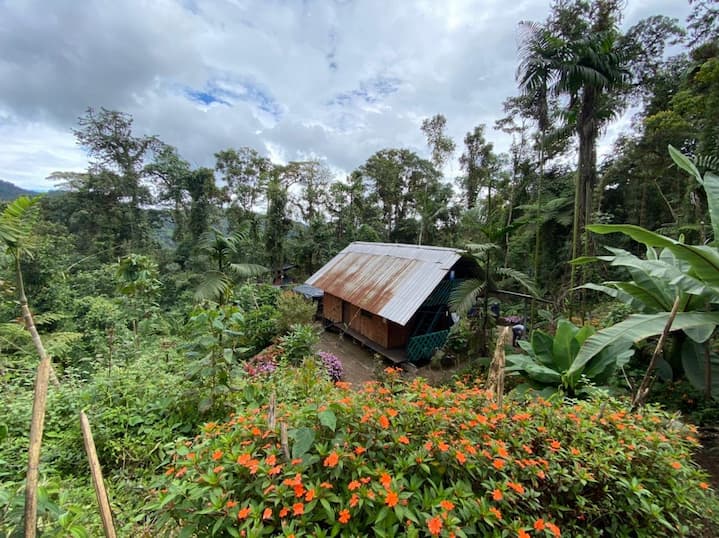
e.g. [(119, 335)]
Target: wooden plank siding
[(332, 308)]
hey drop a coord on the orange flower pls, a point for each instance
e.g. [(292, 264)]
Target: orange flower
[(522, 534), (267, 513), (496, 512), (354, 500), (271, 460), (181, 472), (326, 485), (354, 485), (447, 505), (461, 458), (497, 495), (277, 469), (391, 499), (554, 529), (555, 445), (217, 454), (574, 451), (519, 488), (676, 465), (703, 485), (444, 447), (384, 422), (331, 460), (310, 495), (539, 525), (360, 450), (435, 526), (230, 504), (218, 469), (385, 480), (244, 512), (284, 512), (298, 509), (498, 464), (243, 459), (403, 439), (344, 516)]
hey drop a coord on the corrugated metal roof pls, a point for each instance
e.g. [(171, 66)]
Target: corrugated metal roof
[(390, 280)]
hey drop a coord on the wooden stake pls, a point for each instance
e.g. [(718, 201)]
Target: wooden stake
[(495, 377), (96, 471)]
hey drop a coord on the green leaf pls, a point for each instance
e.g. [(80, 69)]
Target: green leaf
[(694, 364), (542, 347), (636, 328), (711, 188), (303, 440), (700, 334), (328, 419), (683, 162), (533, 370), (565, 346)]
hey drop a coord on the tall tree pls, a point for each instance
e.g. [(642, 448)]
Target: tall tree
[(114, 149), (480, 165), (439, 143), (246, 174)]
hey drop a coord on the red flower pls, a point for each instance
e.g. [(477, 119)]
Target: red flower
[(331, 460), (435, 526), (298, 509), (447, 505)]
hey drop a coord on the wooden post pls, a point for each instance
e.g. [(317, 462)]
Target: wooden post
[(495, 377), (96, 471)]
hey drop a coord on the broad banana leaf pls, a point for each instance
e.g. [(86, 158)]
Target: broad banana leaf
[(693, 361), (533, 369), (565, 346), (704, 260), (636, 328)]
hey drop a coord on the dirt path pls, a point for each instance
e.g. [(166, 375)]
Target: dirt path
[(361, 364)]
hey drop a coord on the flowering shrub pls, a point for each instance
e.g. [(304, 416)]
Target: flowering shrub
[(333, 365), (263, 363), (396, 459)]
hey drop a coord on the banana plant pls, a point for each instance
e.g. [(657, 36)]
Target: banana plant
[(550, 361), (671, 270)]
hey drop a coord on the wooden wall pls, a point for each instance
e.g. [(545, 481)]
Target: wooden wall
[(374, 327), (398, 335), (332, 308)]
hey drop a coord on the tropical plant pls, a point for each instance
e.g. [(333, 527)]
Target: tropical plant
[(672, 272), (217, 283), (550, 363)]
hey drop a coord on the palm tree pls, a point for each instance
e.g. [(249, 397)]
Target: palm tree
[(217, 284), (588, 71), (467, 293)]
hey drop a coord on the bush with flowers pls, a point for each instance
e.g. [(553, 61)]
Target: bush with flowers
[(407, 459)]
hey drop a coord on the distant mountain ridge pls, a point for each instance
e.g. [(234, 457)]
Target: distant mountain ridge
[(10, 191)]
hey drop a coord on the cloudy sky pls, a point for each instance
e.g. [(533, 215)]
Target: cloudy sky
[(294, 79)]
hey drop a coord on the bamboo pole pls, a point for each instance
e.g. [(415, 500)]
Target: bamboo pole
[(39, 404), (97, 481)]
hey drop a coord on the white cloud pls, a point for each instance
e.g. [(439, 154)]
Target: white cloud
[(335, 79)]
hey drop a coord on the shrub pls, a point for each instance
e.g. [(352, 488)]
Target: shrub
[(292, 309), (298, 344), (412, 460)]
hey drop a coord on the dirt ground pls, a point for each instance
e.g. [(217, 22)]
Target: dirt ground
[(362, 364)]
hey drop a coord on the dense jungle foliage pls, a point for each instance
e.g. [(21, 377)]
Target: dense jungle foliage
[(161, 292)]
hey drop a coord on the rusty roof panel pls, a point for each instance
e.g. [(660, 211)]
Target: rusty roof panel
[(390, 280)]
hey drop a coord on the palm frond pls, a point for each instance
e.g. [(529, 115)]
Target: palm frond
[(523, 279), (16, 223), (213, 287), (464, 296), (246, 270)]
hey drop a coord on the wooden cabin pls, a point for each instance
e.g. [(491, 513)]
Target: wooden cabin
[(392, 297)]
